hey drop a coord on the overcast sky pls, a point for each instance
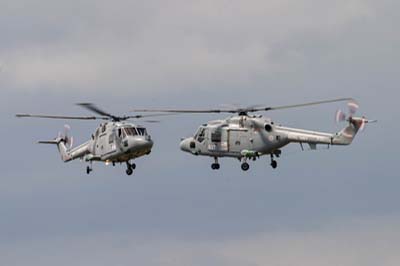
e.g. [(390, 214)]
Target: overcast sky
[(336, 207)]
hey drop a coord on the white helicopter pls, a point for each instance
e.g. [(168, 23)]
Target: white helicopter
[(114, 141), (248, 137)]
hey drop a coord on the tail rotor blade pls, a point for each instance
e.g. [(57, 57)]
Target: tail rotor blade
[(71, 142), (353, 107), (68, 139), (67, 129), (340, 116), (362, 126)]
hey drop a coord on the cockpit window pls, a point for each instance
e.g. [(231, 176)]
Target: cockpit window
[(142, 131), (130, 131), (200, 135)]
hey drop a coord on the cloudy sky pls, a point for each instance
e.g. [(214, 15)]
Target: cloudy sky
[(337, 207)]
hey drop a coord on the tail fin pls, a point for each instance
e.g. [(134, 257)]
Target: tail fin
[(61, 141), (62, 148), (346, 135)]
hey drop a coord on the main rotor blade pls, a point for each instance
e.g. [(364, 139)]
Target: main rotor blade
[(146, 116), (300, 105), (95, 109), (150, 121), (186, 111), (240, 110), (62, 117)]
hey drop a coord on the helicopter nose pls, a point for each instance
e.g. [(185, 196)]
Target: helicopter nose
[(143, 143), (185, 144), (149, 143)]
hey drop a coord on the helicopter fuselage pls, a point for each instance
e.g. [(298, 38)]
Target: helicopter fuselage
[(249, 137), (112, 142), (234, 137)]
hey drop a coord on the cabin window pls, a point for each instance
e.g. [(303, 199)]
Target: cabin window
[(111, 139), (103, 128), (216, 135)]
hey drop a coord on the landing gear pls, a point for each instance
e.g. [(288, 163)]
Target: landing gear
[(277, 153), (88, 169), (245, 166), (274, 163), (129, 171), (130, 168), (215, 166)]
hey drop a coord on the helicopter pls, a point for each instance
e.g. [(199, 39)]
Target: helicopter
[(248, 136), (114, 141)]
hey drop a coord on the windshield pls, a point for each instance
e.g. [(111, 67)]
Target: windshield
[(130, 131), (142, 131)]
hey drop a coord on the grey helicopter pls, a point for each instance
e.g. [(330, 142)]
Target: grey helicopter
[(114, 141), (248, 137)]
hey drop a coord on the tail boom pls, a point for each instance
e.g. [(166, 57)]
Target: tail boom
[(343, 137), (66, 153)]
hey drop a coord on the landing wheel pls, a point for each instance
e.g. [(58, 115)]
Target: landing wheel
[(129, 165), (245, 166), (215, 166), (88, 170), (129, 171), (274, 164), (130, 168)]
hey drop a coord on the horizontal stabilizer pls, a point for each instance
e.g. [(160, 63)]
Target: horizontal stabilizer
[(48, 142)]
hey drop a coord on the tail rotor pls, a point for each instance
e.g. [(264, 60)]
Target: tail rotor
[(359, 122), (68, 140), (352, 110)]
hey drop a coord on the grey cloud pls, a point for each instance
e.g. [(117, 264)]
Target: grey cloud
[(369, 241), (129, 54), (100, 45)]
